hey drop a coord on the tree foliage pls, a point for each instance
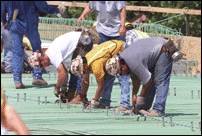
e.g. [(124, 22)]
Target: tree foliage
[(178, 23)]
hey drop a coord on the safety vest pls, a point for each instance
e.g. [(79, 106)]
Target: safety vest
[(102, 49), (141, 34)]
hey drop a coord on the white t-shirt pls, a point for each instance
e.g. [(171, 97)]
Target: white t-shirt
[(62, 47)]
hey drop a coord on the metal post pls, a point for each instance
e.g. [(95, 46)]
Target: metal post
[(198, 94), (163, 123), (113, 111), (192, 126), (89, 107), (24, 97), (171, 121), (67, 103), (192, 94), (175, 91), (187, 25), (17, 97), (138, 117), (38, 100), (107, 110), (45, 99), (82, 107), (145, 117)]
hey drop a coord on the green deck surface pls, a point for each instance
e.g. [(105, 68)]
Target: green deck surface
[(49, 119)]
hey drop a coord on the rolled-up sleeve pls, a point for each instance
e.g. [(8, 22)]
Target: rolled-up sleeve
[(43, 6), (93, 5), (120, 4)]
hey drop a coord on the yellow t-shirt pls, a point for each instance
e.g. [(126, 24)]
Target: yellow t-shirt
[(2, 104), (99, 55)]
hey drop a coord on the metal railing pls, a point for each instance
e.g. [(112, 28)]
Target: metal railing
[(50, 28)]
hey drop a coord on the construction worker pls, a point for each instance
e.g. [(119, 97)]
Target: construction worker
[(60, 50), (95, 61), (149, 61)]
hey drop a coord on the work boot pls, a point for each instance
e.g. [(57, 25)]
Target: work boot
[(39, 82), (68, 95), (120, 108), (19, 85), (56, 91), (76, 99), (101, 106), (153, 113)]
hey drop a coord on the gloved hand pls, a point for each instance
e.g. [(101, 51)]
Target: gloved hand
[(85, 102), (63, 91), (56, 91), (61, 8), (140, 101)]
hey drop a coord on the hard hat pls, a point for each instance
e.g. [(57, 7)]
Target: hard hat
[(34, 60), (129, 26), (85, 39), (76, 66), (113, 66)]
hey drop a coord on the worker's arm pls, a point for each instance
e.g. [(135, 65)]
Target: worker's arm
[(122, 30), (100, 89), (62, 75), (13, 122), (136, 85), (86, 11)]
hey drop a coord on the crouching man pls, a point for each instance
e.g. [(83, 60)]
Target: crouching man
[(148, 61), (95, 61), (60, 50)]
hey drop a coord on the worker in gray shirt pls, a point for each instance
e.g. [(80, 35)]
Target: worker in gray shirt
[(148, 61)]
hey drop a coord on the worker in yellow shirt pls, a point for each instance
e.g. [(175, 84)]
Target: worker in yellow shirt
[(95, 61)]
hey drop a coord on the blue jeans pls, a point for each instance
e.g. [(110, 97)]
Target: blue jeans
[(8, 50), (109, 80), (160, 85), (18, 53), (75, 81)]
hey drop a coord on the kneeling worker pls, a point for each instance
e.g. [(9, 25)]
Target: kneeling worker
[(148, 61)]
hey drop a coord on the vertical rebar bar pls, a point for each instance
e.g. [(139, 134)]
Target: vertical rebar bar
[(163, 123), (24, 97), (171, 124)]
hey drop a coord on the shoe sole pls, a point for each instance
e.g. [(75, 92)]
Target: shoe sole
[(39, 84)]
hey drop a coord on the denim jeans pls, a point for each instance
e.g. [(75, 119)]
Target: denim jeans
[(8, 50), (160, 85), (75, 81), (18, 53), (109, 80)]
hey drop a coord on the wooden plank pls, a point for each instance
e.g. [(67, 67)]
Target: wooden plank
[(163, 10), (133, 8)]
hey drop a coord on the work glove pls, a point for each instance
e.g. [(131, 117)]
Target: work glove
[(140, 101), (62, 8), (56, 91)]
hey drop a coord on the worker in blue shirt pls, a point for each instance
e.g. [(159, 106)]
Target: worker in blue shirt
[(26, 23)]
